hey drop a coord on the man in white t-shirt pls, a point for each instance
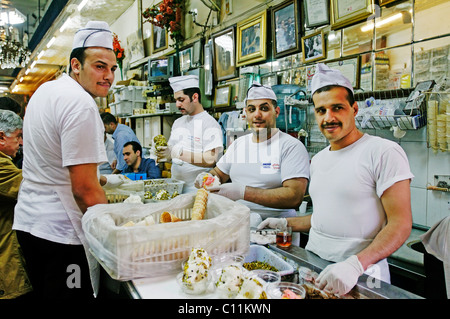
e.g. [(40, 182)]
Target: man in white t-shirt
[(196, 141), (359, 188), (63, 142), (269, 169)]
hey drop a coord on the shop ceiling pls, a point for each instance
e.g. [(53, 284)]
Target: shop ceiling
[(51, 41)]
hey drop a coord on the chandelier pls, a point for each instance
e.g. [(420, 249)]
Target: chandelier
[(13, 53)]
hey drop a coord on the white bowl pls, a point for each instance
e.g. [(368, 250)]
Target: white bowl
[(266, 276), (198, 288), (285, 290)]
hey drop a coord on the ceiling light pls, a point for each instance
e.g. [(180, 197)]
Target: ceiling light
[(82, 4), (40, 54), (11, 16), (64, 26), (49, 44)]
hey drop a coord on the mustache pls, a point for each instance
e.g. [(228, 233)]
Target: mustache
[(331, 124)]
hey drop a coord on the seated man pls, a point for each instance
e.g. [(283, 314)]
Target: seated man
[(132, 154), (269, 169)]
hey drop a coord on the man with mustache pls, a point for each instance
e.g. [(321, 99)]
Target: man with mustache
[(269, 169), (196, 141), (359, 188), (63, 142)]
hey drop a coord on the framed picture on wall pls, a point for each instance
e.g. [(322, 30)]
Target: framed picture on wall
[(222, 95), (196, 58), (317, 12), (285, 30), (313, 47), (160, 39), (350, 67), (135, 46), (347, 12), (251, 39), (224, 55), (185, 59)]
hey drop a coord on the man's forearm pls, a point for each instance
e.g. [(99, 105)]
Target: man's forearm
[(206, 159)]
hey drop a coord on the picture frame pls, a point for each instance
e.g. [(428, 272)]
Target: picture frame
[(222, 96), (185, 59), (251, 39), (285, 28), (224, 54), (313, 47), (349, 66), (135, 46), (317, 12), (347, 12), (196, 54), (160, 39)]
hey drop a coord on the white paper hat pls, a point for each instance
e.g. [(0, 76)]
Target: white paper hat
[(94, 34), (258, 91), (179, 83), (325, 76)]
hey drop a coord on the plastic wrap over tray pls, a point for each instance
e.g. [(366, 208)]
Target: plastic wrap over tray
[(134, 252)]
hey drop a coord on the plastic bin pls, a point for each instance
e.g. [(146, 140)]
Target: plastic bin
[(169, 184), (261, 253), (134, 252), (130, 93)]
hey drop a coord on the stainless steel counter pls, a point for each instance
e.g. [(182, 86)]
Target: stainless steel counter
[(362, 290), (302, 257)]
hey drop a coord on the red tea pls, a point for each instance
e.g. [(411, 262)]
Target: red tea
[(284, 239)]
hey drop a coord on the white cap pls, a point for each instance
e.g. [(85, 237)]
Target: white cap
[(94, 34), (258, 92), (325, 76), (179, 83)]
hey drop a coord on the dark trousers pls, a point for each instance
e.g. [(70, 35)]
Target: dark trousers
[(56, 270)]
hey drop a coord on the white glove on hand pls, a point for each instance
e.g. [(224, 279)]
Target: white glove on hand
[(114, 180), (163, 154), (341, 277), (199, 179), (273, 223), (233, 191)]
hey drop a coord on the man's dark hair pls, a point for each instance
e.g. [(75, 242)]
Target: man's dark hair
[(78, 53), (108, 118), (350, 97), (191, 91), (136, 146), (7, 103)]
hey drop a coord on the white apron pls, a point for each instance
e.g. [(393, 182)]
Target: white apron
[(338, 249)]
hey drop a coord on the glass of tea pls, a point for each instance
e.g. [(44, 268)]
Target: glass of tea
[(284, 237)]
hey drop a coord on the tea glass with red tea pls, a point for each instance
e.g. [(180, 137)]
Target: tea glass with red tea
[(284, 237)]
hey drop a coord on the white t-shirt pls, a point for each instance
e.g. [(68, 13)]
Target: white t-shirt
[(62, 127), (265, 165), (197, 134), (346, 186)]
